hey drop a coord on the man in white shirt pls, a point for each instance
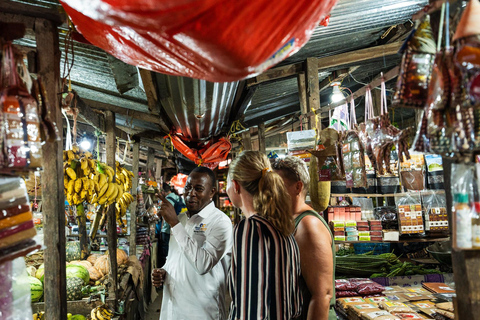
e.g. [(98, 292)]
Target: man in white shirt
[(196, 270)]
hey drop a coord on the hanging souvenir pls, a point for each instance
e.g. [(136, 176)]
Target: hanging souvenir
[(21, 124), (467, 60), (416, 68), (354, 155)]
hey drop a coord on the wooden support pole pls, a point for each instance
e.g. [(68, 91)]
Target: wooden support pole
[(52, 179), (302, 95), (261, 138), (312, 91), (253, 143), (111, 145), (151, 163), (158, 171), (247, 141), (133, 206)]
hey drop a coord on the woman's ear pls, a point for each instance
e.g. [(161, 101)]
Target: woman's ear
[(236, 186), (298, 187)]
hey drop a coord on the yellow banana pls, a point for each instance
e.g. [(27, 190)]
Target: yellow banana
[(110, 190), (71, 186), (76, 199), (65, 156), (83, 163), (71, 173), (70, 155), (78, 185), (114, 194), (88, 155), (86, 172), (95, 177), (102, 179), (102, 190), (65, 180), (120, 192), (94, 199), (76, 149), (83, 194), (110, 174), (102, 200), (96, 186)]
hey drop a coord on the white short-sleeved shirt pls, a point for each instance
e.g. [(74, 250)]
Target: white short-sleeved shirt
[(197, 267)]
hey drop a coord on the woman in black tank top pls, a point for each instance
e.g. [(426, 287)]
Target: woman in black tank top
[(315, 241)]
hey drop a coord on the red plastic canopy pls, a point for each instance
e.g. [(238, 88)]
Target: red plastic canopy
[(209, 156), (215, 40)]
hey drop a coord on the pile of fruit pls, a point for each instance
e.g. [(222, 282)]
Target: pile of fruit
[(101, 313), (84, 277), (94, 182)]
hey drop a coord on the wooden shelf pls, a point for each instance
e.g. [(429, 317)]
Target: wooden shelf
[(377, 195), (399, 241)]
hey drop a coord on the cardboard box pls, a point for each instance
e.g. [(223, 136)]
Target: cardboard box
[(350, 223), (339, 238), (363, 233), (391, 235), (364, 238), (352, 238)]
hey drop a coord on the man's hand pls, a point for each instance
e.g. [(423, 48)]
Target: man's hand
[(167, 211), (158, 277)]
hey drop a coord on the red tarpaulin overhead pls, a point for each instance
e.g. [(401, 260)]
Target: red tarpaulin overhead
[(215, 40), (209, 156)]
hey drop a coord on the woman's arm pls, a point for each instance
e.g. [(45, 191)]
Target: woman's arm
[(316, 260)]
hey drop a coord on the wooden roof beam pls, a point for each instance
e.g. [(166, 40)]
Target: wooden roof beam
[(142, 116), (328, 62)]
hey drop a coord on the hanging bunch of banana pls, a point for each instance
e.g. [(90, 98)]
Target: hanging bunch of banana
[(78, 170), (94, 182)]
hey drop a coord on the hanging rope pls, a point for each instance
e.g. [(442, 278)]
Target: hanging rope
[(35, 204)]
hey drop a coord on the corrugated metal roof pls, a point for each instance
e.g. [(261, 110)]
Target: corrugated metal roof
[(198, 109), (356, 24)]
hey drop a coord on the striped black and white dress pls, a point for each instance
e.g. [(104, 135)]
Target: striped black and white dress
[(264, 278)]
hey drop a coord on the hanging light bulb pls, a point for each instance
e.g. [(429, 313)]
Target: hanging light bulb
[(85, 144), (337, 95)]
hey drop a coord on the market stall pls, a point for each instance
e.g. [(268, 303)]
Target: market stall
[(393, 158)]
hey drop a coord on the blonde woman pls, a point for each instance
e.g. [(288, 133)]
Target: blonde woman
[(265, 269), (315, 241)]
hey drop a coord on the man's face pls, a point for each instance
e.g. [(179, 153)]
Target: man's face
[(198, 192)]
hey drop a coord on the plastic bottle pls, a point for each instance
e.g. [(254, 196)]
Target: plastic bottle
[(476, 226), (463, 220)]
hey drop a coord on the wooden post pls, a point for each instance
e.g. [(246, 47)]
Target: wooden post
[(312, 91), (151, 163), (46, 34), (111, 220), (158, 171), (133, 206), (302, 95), (254, 146), (261, 138), (247, 140)]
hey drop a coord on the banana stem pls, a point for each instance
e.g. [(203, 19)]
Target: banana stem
[(96, 222)]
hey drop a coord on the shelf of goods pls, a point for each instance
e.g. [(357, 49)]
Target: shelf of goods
[(399, 241), (377, 195)]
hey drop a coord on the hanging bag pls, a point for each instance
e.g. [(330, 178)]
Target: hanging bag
[(416, 68)]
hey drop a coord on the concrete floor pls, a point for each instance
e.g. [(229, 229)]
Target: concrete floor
[(153, 312)]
